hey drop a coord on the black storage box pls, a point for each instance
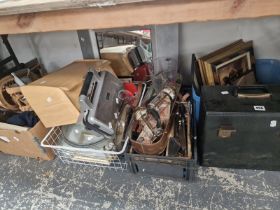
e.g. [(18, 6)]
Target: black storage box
[(164, 166), (240, 127), (174, 167)]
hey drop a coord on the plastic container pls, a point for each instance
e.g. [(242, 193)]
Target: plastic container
[(164, 70), (268, 71), (184, 168), (171, 167)]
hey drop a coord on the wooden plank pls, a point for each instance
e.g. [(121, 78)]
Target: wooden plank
[(8, 7), (162, 12)]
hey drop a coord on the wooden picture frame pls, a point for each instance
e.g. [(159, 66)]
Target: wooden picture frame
[(231, 70)]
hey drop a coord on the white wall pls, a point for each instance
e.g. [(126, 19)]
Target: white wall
[(202, 38)]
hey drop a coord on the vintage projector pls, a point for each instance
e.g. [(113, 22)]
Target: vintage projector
[(99, 108)]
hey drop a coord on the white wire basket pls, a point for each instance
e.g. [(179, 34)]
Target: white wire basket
[(83, 156), (86, 156)]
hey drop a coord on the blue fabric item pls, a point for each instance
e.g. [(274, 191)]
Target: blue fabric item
[(26, 119)]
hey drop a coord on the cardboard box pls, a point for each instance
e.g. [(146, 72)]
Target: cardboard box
[(21, 141), (118, 56), (55, 97)]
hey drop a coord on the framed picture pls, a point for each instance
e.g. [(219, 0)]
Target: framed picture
[(233, 69)]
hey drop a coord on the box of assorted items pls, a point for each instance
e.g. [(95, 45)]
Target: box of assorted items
[(129, 123), (20, 129), (24, 141), (125, 59), (104, 135), (231, 100), (119, 58), (160, 134), (97, 138)]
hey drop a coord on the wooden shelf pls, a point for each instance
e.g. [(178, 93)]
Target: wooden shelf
[(101, 14)]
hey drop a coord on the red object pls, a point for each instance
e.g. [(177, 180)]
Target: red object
[(129, 86), (141, 73)]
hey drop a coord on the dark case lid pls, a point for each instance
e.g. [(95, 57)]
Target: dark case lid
[(266, 99)]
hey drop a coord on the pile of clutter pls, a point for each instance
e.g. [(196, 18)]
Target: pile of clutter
[(103, 107), (14, 106), (20, 128)]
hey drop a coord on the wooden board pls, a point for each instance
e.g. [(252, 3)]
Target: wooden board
[(11, 7), (127, 15)]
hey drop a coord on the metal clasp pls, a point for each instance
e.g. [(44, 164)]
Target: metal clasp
[(225, 132)]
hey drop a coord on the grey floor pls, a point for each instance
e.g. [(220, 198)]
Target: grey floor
[(29, 184)]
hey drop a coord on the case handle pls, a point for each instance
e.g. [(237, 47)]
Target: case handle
[(85, 100), (252, 92), (86, 84)]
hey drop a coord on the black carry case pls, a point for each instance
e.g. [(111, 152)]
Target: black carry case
[(163, 166), (240, 127)]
